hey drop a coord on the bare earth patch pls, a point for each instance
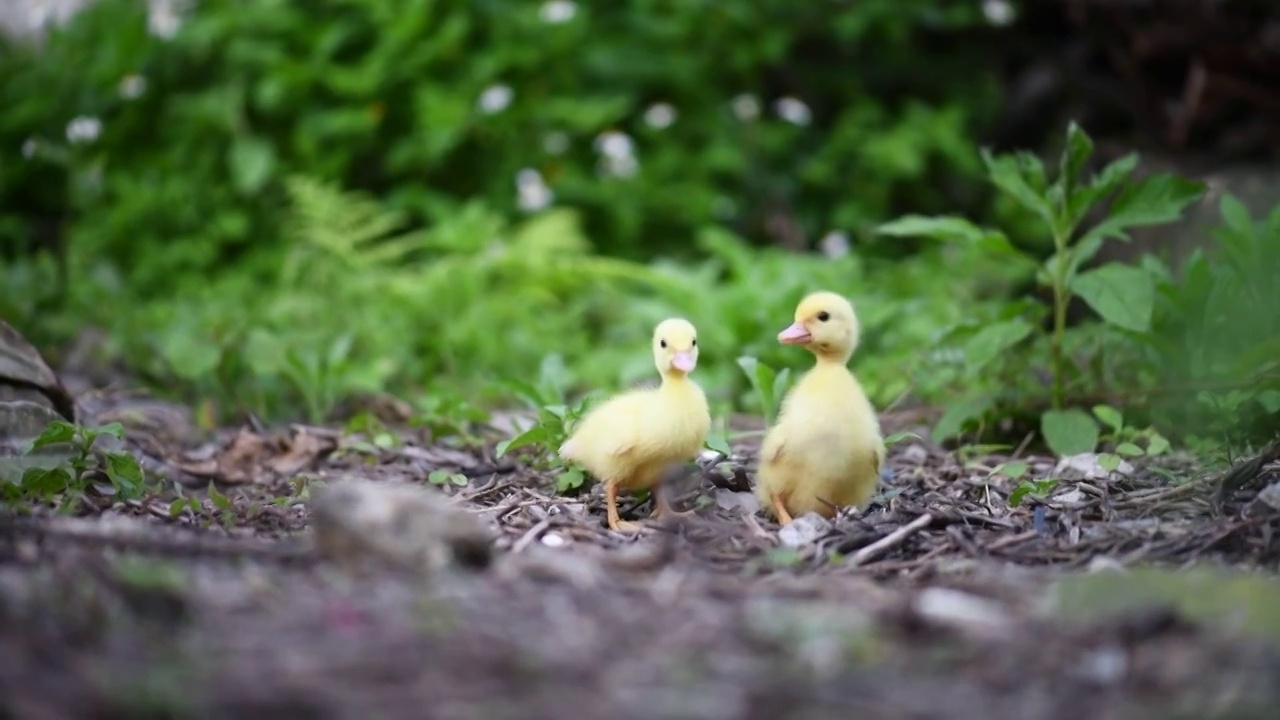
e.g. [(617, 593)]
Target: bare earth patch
[(938, 601)]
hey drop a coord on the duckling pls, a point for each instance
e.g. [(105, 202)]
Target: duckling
[(631, 440), (825, 450)]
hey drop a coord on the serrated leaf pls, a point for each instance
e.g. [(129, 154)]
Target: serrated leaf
[(994, 339), (1069, 432), (1122, 294), (1110, 416), (1156, 199), (1082, 199)]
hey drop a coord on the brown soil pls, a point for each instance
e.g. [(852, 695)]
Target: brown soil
[(928, 604)]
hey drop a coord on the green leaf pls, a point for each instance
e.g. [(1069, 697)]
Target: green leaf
[(1069, 432), (535, 434), (220, 501), (989, 342), (1108, 461), (1020, 176), (1269, 400), (718, 442), (125, 473), (57, 432), (1122, 294), (252, 161), (1157, 444), (439, 477), (949, 228), (958, 413), (1082, 199), (569, 479), (1012, 470), (1235, 214), (1035, 488), (898, 437), (46, 481), (1128, 449), (1076, 153), (1109, 416), (1156, 199)]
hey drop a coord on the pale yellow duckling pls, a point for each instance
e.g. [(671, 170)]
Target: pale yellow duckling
[(825, 450), (631, 439)]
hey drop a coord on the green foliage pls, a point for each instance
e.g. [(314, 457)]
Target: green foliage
[(770, 385), (1215, 343), (653, 121), (66, 483), (1122, 296)]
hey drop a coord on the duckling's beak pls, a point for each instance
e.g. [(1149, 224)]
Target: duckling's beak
[(683, 361), (797, 334)]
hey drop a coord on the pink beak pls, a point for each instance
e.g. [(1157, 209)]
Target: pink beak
[(797, 334), (684, 361)]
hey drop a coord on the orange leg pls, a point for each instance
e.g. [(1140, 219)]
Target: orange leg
[(780, 509), (611, 500)]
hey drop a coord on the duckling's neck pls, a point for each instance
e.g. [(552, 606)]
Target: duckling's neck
[(675, 380), (831, 359)]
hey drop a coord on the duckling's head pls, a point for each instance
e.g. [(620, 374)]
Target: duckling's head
[(826, 324), (675, 346)]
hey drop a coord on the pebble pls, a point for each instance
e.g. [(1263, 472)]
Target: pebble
[(804, 530)]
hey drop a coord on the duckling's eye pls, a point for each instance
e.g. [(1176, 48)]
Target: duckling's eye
[(824, 316), (664, 343), (695, 342)]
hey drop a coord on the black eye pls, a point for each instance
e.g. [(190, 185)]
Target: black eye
[(695, 342), (824, 316), (664, 343)]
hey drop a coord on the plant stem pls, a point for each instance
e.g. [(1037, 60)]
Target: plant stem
[(1060, 297)]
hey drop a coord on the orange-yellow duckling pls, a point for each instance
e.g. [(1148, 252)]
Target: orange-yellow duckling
[(825, 450), (630, 440)]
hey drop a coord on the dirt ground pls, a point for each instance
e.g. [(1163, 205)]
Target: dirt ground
[(940, 600)]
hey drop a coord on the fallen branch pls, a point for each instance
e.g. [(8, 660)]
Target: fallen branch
[(892, 540)]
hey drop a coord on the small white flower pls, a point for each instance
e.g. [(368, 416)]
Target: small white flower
[(792, 110), (834, 244), (555, 143), (495, 99), (557, 11), (745, 107), (132, 86), (660, 115), (29, 148), (163, 18), (998, 12), (614, 144), (532, 192), (83, 130)]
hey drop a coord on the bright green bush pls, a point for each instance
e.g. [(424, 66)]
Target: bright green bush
[(434, 104)]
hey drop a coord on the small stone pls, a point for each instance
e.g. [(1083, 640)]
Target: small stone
[(1271, 495), (915, 454), (804, 530), (1103, 563), (1070, 497), (1086, 466), (554, 540), (744, 501)]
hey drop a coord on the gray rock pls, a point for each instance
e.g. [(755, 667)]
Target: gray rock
[(804, 530)]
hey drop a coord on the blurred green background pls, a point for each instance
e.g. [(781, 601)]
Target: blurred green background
[(266, 206)]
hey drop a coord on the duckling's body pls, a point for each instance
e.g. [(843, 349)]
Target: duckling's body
[(629, 441), (825, 450)]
